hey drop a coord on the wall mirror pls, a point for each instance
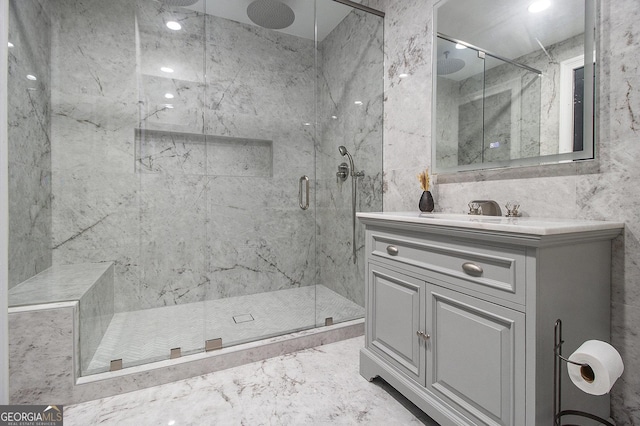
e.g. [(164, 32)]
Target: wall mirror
[(509, 83)]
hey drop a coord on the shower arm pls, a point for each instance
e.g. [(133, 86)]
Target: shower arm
[(354, 175)]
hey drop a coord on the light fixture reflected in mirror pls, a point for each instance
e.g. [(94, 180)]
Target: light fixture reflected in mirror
[(173, 25), (539, 6)]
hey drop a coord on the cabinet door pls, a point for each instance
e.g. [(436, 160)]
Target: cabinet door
[(394, 315), (475, 356)]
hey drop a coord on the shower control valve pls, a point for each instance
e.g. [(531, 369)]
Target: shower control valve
[(343, 172)]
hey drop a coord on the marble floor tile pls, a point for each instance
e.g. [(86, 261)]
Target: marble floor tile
[(317, 386)]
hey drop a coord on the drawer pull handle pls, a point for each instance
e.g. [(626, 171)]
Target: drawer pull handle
[(422, 334), (392, 250), (472, 269)]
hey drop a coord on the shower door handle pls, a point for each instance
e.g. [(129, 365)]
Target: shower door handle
[(305, 179)]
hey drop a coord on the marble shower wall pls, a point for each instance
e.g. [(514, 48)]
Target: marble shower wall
[(193, 197), (29, 140), (605, 189), (351, 65)]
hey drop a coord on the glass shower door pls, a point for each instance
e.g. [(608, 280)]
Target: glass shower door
[(260, 130), (171, 166), (349, 95)]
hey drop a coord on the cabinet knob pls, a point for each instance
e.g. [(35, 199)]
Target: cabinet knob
[(392, 250), (422, 334), (472, 269)]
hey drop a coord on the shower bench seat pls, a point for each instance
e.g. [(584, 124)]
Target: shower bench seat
[(74, 301)]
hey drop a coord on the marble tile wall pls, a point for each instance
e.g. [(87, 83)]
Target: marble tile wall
[(182, 219), (351, 65), (607, 190), (29, 140)]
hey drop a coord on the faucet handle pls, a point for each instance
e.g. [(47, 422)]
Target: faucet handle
[(512, 208), (475, 208)]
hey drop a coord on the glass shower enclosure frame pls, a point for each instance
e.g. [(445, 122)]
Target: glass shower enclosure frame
[(192, 155)]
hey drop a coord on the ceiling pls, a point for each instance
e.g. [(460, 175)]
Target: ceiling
[(330, 14)]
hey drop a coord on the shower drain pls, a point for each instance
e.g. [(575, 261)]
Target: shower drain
[(242, 318)]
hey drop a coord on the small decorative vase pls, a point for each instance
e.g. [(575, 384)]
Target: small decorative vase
[(426, 202)]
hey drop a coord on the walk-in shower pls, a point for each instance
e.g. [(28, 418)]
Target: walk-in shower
[(154, 168)]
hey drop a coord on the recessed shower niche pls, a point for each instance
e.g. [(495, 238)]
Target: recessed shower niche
[(160, 151)]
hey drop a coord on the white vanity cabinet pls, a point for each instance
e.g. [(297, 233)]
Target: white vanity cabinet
[(460, 311)]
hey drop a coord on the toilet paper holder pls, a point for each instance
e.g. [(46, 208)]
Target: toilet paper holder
[(558, 412)]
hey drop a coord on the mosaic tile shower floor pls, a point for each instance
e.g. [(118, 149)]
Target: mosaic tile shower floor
[(148, 335)]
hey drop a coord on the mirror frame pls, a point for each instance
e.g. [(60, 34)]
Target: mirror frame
[(589, 111)]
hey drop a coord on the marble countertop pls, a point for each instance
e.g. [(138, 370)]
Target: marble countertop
[(520, 225)]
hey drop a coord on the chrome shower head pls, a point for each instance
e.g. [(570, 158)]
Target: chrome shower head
[(271, 14), (343, 151), (449, 65)]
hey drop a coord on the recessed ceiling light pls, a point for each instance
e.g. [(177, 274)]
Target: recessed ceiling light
[(460, 46), (166, 69), (10, 44), (335, 117), (169, 95), (173, 25), (307, 124), (539, 6), (31, 77), (358, 102), (403, 75)]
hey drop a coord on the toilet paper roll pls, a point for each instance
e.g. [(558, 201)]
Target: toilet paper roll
[(604, 367)]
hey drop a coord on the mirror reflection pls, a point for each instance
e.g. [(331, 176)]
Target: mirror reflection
[(509, 83)]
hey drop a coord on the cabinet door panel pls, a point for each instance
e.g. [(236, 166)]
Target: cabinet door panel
[(476, 356), (394, 318)]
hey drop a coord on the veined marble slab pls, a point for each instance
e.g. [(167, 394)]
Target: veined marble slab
[(90, 284), (318, 386), (59, 283), (520, 225)]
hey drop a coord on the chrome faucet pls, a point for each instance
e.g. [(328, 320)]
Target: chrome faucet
[(484, 207)]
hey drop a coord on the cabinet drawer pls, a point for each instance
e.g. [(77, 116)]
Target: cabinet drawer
[(497, 271)]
